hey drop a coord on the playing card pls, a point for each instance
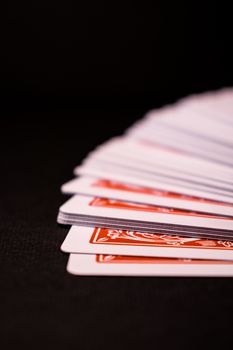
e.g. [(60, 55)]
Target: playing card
[(81, 208), (115, 265), (149, 153), (129, 177), (173, 172), (184, 117), (89, 240), (131, 193), (170, 136), (194, 149), (151, 158), (150, 129), (177, 119), (190, 146), (160, 176)]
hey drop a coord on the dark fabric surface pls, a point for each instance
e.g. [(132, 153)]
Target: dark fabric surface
[(101, 48), (42, 306)]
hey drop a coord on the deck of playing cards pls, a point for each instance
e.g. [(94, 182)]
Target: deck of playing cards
[(158, 200)]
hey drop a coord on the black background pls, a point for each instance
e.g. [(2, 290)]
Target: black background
[(72, 75)]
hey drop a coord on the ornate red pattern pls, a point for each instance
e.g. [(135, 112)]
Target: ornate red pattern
[(119, 259), (123, 237)]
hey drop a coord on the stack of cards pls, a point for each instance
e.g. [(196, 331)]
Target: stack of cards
[(157, 201)]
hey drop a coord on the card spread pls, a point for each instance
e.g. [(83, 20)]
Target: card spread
[(157, 200)]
